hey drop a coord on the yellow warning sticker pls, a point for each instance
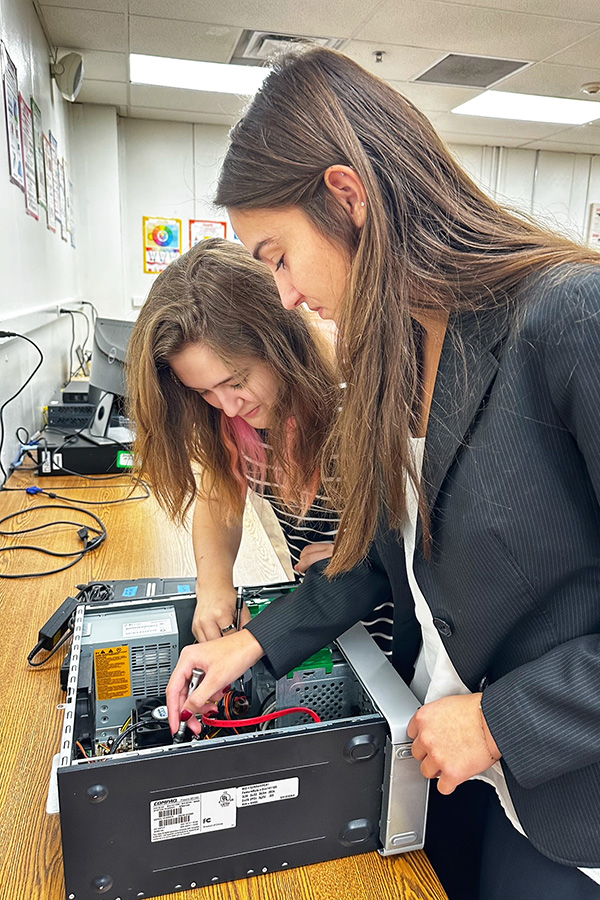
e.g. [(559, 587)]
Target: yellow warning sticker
[(113, 673)]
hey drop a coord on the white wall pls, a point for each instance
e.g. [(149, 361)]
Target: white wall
[(37, 267), (555, 188), (95, 144), (167, 169)]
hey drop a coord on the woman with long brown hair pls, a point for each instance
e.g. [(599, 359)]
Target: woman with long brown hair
[(467, 461), (228, 391)]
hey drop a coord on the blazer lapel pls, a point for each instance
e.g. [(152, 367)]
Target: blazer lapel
[(468, 366)]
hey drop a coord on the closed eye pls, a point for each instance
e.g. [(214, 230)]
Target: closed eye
[(280, 264)]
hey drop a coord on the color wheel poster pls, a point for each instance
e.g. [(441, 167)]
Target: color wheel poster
[(162, 243)]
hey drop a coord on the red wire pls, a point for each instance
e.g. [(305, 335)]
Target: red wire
[(241, 723)]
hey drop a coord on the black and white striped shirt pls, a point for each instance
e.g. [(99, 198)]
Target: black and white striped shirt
[(320, 524)]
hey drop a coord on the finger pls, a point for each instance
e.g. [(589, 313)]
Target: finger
[(307, 559), (412, 729), (430, 768), (447, 784), (176, 694)]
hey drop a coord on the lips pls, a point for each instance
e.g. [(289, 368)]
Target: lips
[(252, 413)]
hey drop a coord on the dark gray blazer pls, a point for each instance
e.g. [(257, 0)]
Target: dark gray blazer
[(512, 474)]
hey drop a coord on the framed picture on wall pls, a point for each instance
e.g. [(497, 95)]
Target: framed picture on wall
[(40, 173), (162, 243), (201, 229), (593, 235), (55, 182), (13, 120), (49, 173), (31, 203)]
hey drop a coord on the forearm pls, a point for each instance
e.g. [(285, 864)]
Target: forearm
[(545, 715), (294, 627), (216, 544)]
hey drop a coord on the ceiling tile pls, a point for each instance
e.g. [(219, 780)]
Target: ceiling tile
[(574, 10), (183, 40), (435, 97), (100, 65), (110, 93), (176, 115), (472, 29), (478, 140), (562, 147), (581, 135), (484, 126), (86, 30), (585, 53), (398, 64), (117, 6), (335, 18), (552, 81), (194, 101)]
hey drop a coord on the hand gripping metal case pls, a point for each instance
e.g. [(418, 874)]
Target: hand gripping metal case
[(166, 818)]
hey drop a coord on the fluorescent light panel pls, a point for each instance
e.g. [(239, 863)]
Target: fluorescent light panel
[(193, 75), (530, 108)]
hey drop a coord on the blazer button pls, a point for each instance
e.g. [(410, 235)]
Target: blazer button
[(444, 628), (483, 683)]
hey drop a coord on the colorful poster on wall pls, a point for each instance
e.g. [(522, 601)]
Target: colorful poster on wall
[(202, 229), (162, 243), (40, 175), (49, 173), (31, 204), (594, 226), (13, 120)]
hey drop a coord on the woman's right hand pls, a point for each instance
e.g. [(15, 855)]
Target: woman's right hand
[(216, 610), (222, 661)]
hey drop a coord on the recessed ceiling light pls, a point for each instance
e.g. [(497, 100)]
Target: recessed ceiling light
[(193, 75), (530, 108)]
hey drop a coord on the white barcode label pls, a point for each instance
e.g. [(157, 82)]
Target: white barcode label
[(193, 814)]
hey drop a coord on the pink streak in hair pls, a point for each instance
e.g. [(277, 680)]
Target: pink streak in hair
[(244, 444)]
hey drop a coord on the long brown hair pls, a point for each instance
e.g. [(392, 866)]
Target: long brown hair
[(432, 239), (217, 295)]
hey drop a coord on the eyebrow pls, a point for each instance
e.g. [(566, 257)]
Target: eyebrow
[(257, 250), (206, 390)]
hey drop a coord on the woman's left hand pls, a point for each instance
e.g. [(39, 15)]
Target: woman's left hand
[(311, 553), (452, 740)]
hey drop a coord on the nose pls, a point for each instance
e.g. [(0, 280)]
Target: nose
[(230, 405), (290, 297)]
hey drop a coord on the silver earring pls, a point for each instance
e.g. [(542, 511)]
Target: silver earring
[(362, 202)]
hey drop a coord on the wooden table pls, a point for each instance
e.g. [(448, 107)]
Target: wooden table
[(141, 543)]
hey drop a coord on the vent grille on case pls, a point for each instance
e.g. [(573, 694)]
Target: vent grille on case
[(150, 669)]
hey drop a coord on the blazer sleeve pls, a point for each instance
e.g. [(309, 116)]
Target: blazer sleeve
[(545, 715), (295, 626)]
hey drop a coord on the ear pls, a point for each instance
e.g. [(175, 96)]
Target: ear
[(347, 188)]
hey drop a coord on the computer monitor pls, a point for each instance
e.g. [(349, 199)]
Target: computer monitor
[(107, 375)]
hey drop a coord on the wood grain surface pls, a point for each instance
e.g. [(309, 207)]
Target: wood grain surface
[(141, 542)]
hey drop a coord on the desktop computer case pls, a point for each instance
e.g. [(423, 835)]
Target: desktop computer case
[(165, 819)]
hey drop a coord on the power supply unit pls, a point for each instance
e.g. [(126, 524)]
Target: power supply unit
[(143, 816)]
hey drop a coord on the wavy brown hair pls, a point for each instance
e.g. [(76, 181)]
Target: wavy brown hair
[(217, 295), (432, 240)]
